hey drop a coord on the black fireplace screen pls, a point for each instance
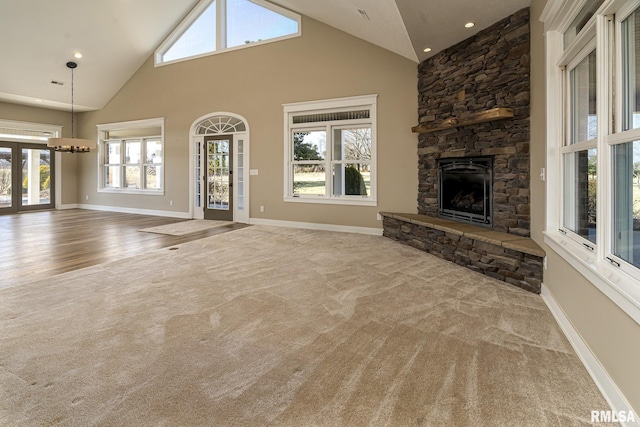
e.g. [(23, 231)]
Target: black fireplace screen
[(465, 189)]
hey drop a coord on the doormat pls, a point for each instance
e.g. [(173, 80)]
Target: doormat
[(185, 227)]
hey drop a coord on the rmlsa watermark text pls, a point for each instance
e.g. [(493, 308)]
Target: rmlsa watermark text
[(613, 417)]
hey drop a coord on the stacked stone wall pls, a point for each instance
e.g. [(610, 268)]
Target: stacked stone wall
[(486, 71)]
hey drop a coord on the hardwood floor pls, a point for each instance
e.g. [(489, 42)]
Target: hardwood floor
[(35, 245)]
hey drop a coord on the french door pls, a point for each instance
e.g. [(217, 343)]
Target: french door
[(219, 177), (27, 174)]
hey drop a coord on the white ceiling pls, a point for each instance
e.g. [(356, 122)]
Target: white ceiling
[(117, 36)]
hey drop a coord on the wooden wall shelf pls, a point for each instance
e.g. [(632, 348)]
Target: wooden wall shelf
[(465, 120)]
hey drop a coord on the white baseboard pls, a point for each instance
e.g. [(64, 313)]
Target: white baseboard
[(605, 383), (69, 206), (317, 226), (120, 209)]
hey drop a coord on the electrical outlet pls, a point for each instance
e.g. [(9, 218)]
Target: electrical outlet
[(261, 208), (86, 197), (170, 202)]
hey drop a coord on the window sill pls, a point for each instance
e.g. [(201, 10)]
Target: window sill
[(618, 286), (125, 191), (332, 201)]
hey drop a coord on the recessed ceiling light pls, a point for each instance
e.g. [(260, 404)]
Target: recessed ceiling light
[(427, 49), (77, 55), (469, 25)]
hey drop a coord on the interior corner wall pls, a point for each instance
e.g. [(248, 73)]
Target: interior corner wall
[(612, 336), (24, 113), (254, 82)]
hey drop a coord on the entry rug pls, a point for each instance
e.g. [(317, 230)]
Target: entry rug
[(185, 227)]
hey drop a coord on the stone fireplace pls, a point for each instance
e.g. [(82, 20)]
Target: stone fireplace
[(465, 190), (486, 72), (473, 157)]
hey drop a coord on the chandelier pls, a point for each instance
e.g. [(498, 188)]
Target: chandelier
[(73, 144)]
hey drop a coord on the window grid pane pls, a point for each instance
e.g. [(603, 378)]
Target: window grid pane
[(583, 100), (198, 39), (352, 144), (113, 153), (580, 179), (309, 179), (152, 177), (631, 71), (112, 176), (132, 177), (248, 22), (626, 202), (351, 179), (153, 151), (309, 145), (132, 152)]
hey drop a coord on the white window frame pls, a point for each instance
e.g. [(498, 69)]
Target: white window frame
[(617, 279), (221, 30), (364, 102), (104, 129), (578, 146)]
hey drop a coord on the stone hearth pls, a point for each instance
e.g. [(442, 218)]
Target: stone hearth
[(513, 259)]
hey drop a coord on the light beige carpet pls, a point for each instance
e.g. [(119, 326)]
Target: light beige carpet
[(276, 326), (185, 227)]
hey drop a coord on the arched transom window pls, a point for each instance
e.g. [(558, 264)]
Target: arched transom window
[(220, 124)]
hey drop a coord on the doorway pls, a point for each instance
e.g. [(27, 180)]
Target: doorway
[(27, 174), (218, 165), (219, 177)]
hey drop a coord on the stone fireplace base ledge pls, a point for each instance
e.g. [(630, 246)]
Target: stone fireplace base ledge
[(513, 259)]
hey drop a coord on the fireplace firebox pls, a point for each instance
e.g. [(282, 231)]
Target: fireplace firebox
[(465, 190)]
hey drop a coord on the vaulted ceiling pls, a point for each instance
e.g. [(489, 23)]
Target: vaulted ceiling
[(117, 36)]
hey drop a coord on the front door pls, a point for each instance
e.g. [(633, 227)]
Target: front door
[(26, 177), (219, 178)]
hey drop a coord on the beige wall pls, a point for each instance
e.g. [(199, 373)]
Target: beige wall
[(612, 336), (25, 113), (254, 83)]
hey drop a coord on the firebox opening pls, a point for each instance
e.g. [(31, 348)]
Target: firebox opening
[(465, 191)]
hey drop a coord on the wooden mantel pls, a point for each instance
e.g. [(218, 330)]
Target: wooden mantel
[(465, 120)]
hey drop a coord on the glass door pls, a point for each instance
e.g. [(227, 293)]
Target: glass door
[(7, 177), (26, 177), (219, 178)]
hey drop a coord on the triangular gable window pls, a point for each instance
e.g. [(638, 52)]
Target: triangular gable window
[(199, 38), (215, 26)]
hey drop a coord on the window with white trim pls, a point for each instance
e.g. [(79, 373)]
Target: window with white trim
[(579, 153), (215, 26), (593, 136), (131, 157), (330, 149)]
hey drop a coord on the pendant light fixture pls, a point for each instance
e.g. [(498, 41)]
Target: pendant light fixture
[(71, 145)]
